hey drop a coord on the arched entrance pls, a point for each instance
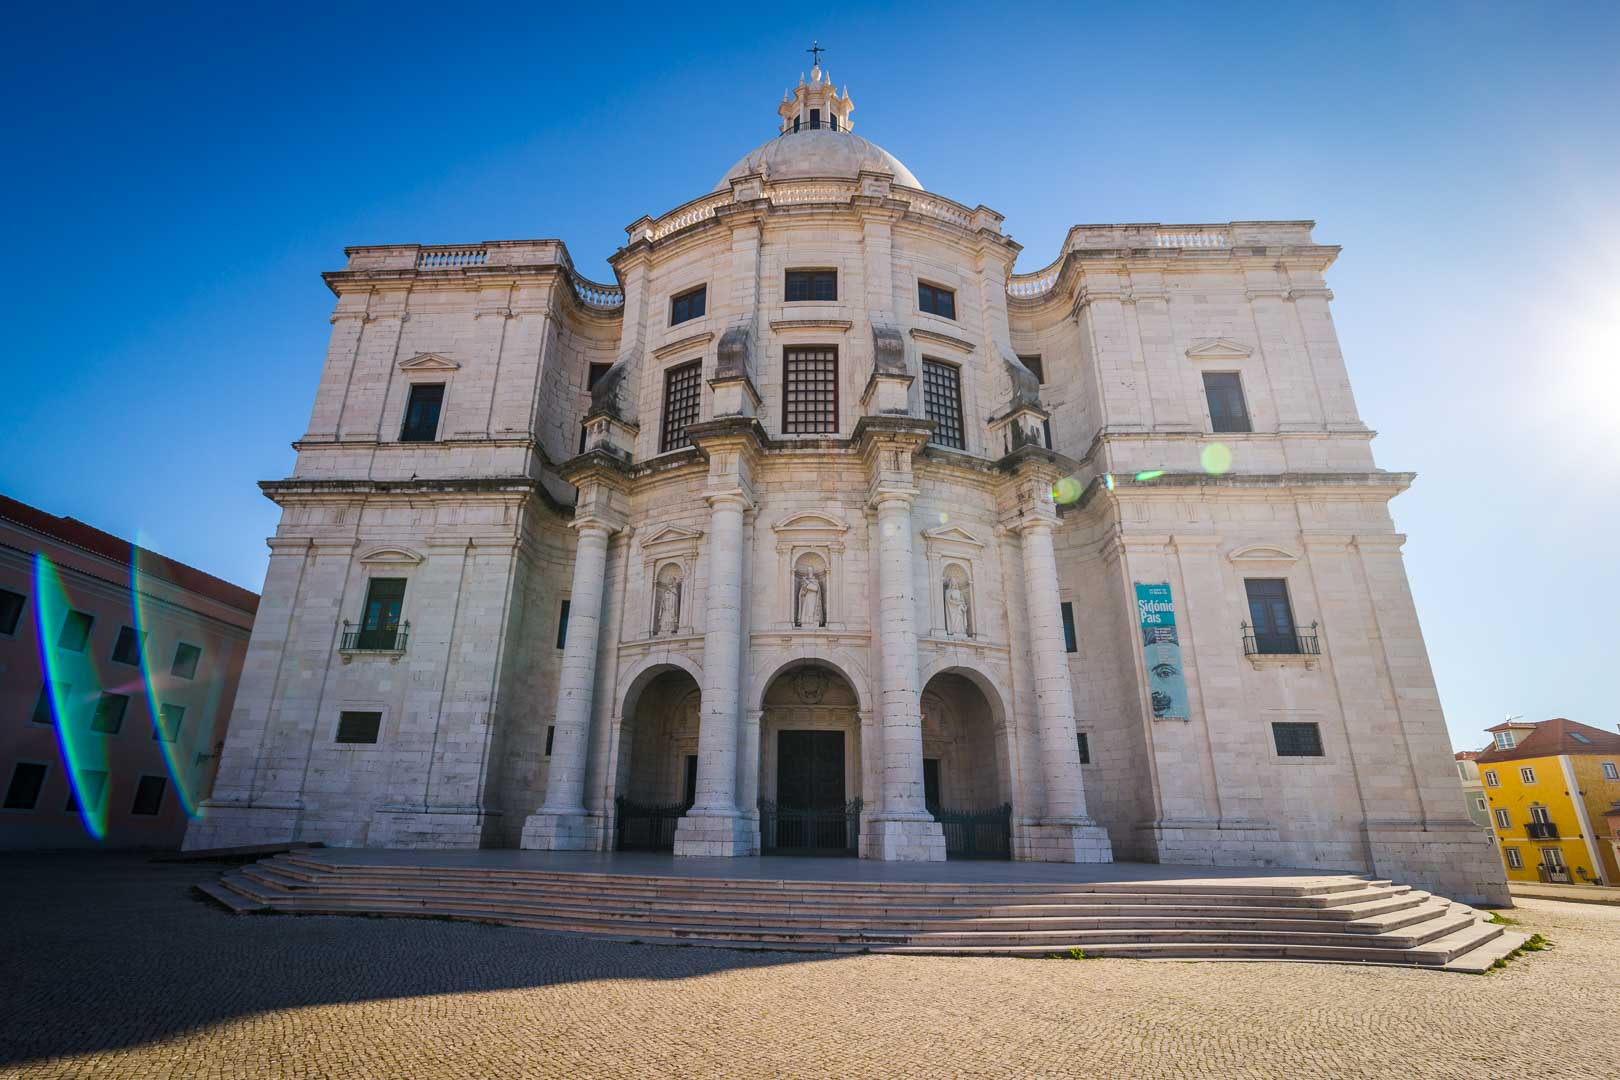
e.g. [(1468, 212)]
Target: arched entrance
[(966, 777), (658, 762), (810, 764)]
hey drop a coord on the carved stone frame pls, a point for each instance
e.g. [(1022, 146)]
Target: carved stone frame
[(671, 544), (943, 546), (810, 532)]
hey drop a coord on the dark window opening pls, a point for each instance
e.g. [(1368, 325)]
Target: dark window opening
[(936, 301), (94, 783), (1297, 740), (931, 784), (1085, 747), (11, 606), (128, 648), (595, 373), (358, 727), (26, 780), (688, 305), (562, 626), (167, 729), (185, 661), (42, 708), (1046, 430), (1227, 411), (810, 405), (422, 413), (942, 402), (811, 285), (1271, 616), (1070, 643), (584, 433), (109, 715), (1035, 366), (379, 624), (75, 633), (832, 121), (815, 119), (683, 400), (149, 796), (795, 123), (551, 733)]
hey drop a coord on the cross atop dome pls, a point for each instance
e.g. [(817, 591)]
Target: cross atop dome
[(817, 104)]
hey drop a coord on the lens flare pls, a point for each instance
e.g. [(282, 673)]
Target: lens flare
[(1151, 474), (74, 690), (944, 517), (1216, 458), (1066, 490), (174, 744)]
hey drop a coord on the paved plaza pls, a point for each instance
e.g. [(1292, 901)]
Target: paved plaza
[(113, 968)]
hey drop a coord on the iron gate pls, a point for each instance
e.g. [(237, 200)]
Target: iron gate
[(977, 834), (792, 830), (639, 827)]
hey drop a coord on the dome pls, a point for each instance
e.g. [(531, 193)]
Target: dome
[(817, 153)]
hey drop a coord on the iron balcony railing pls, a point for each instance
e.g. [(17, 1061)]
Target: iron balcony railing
[(1289, 643), (795, 830), (1541, 830), (380, 639)]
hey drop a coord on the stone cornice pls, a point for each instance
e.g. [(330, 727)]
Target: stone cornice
[(683, 345), (920, 334)]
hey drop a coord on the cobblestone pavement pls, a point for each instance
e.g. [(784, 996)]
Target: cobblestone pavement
[(113, 969)]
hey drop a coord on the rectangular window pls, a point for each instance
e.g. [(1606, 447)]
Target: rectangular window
[(936, 301), (1490, 778), (1515, 861), (109, 715), (75, 633), (422, 413), (1034, 364), (1085, 747), (185, 661), (1227, 411), (562, 626), (11, 607), (690, 304), (1070, 642), (1297, 740), (1503, 819), (26, 780), (594, 375), (358, 727), (815, 119), (149, 796), (379, 621), (1541, 815), (942, 402), (1271, 616), (811, 285), (1504, 740), (1479, 804), (1552, 858), (94, 784), (683, 399), (810, 395), (551, 733), (1527, 775), (42, 707), (1610, 771), (168, 726), (127, 650), (584, 433)]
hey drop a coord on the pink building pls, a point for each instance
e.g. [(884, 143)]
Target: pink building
[(117, 672)]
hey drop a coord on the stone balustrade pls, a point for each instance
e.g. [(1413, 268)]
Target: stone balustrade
[(814, 192), (450, 258), (595, 295), (689, 214)]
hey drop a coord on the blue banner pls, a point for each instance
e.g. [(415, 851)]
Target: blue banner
[(1167, 686)]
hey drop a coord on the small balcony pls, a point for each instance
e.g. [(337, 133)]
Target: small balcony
[(1290, 647), (1541, 830), (386, 641)]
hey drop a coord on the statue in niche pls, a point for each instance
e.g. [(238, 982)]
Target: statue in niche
[(809, 608), (667, 601), (958, 614)]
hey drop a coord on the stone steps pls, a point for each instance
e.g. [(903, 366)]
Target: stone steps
[(1339, 919)]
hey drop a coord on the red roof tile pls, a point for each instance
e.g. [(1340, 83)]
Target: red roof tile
[(105, 544), (1553, 737)]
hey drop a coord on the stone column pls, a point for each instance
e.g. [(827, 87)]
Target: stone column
[(901, 829), (562, 823), (713, 826), (1065, 833)]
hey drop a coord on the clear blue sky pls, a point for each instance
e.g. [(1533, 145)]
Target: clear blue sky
[(177, 179)]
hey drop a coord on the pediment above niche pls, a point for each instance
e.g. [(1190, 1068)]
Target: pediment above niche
[(1267, 553), (428, 362), (671, 537), (810, 521), (809, 529), (952, 534), (1218, 348), (390, 556)]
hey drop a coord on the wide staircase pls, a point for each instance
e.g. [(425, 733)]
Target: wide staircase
[(1336, 918)]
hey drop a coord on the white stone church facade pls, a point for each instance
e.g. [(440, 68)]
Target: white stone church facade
[(821, 506)]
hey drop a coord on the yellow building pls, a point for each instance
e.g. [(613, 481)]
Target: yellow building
[(1551, 787)]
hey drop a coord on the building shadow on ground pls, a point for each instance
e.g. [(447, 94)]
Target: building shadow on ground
[(106, 950)]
